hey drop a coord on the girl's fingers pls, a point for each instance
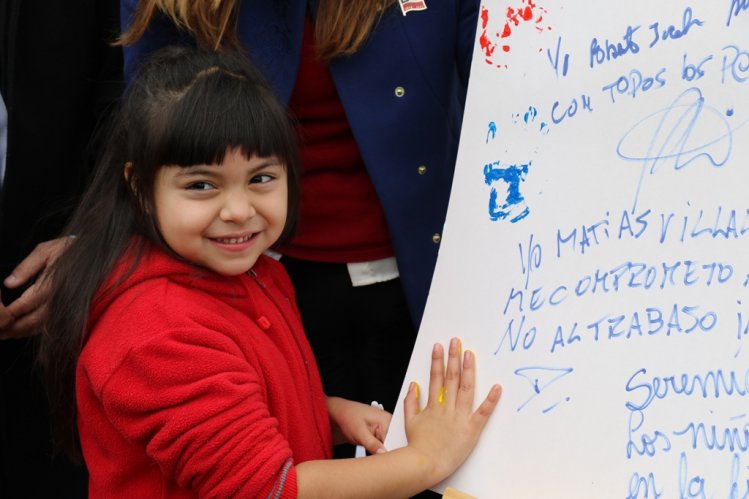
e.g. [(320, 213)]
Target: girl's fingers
[(373, 445), (384, 425), (411, 404), (452, 374), (481, 416), (467, 383), (436, 375)]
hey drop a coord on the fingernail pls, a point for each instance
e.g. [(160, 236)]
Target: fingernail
[(381, 450), (10, 280), (455, 347), (467, 358), (495, 393), (415, 389)]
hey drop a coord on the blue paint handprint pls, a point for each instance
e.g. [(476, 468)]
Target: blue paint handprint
[(509, 203)]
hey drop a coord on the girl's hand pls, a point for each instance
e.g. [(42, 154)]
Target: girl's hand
[(440, 437), (446, 431), (358, 424)]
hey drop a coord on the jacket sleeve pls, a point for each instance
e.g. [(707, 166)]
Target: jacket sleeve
[(206, 423), (468, 17)]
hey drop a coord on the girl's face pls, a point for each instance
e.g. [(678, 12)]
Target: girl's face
[(225, 216)]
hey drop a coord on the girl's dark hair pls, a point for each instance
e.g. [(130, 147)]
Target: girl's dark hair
[(185, 107)]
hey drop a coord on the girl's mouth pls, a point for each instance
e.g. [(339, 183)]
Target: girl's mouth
[(233, 240)]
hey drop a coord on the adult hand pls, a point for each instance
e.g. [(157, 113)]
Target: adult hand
[(445, 432), (358, 423), (23, 316), (6, 319)]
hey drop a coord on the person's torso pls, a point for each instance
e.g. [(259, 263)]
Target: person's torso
[(183, 385)]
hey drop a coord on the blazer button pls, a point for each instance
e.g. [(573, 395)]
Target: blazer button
[(422, 169), (436, 238), (400, 91)]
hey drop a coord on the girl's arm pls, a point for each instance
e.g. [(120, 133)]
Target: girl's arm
[(358, 424), (440, 438)]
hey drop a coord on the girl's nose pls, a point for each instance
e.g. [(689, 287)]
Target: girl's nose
[(237, 208)]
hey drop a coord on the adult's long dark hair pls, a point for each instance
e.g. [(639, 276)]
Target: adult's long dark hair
[(341, 27), (185, 107)]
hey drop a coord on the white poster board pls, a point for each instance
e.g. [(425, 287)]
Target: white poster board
[(595, 254)]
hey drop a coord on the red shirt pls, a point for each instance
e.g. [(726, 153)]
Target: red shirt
[(341, 219), (191, 384)]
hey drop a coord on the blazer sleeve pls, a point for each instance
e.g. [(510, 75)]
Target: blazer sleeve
[(468, 16), (206, 424)]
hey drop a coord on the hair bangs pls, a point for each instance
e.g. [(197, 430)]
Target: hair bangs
[(222, 112)]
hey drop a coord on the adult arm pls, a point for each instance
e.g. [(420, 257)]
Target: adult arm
[(468, 16)]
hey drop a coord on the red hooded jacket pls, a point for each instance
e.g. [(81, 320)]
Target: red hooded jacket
[(192, 384)]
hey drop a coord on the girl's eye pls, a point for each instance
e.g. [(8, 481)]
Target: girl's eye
[(200, 186), (261, 179)]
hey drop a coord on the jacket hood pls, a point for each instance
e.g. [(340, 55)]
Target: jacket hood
[(143, 262)]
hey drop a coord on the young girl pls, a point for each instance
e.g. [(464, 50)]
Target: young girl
[(378, 99), (192, 374)]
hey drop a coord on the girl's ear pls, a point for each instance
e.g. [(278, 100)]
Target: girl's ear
[(132, 182), (127, 172)]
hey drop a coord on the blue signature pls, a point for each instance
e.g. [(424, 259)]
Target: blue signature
[(672, 139), (737, 7)]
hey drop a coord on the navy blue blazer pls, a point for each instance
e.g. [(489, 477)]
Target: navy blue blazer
[(403, 93)]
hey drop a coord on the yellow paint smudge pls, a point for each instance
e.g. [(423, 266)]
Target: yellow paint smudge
[(441, 397)]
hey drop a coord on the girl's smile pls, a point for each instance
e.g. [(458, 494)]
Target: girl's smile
[(235, 243), (222, 216)]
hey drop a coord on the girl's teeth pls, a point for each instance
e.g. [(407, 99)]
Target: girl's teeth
[(235, 240)]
